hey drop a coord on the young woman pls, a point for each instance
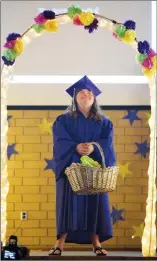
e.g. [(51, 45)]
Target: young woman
[(81, 219)]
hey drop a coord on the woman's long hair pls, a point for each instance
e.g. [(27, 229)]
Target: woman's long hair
[(95, 111)]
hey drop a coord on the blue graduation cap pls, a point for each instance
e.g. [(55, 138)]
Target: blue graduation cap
[(83, 83)]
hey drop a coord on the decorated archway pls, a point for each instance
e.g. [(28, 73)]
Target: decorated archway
[(48, 21)]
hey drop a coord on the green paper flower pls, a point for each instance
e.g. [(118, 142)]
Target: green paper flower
[(73, 10), (10, 54), (141, 57), (38, 27), (120, 30)]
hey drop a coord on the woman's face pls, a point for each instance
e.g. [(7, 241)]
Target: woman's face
[(85, 98)]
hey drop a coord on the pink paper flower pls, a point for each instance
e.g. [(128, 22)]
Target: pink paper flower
[(114, 35), (10, 44), (151, 53), (147, 63), (40, 19)]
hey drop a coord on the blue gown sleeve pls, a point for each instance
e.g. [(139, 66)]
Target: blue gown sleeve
[(63, 147), (106, 143)]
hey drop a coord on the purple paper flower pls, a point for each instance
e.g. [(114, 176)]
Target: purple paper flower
[(12, 36), (129, 24), (48, 14), (143, 47), (93, 26), (7, 62)]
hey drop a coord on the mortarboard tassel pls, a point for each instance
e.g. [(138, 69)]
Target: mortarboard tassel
[(73, 101)]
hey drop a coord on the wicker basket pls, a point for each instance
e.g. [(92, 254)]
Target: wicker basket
[(86, 180)]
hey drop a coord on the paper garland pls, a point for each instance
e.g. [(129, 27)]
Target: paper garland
[(47, 21)]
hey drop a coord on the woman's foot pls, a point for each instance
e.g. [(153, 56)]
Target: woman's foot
[(100, 251), (56, 251)]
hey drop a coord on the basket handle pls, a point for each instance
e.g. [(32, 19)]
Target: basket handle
[(101, 152)]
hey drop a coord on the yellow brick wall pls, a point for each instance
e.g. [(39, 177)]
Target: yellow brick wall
[(33, 189)]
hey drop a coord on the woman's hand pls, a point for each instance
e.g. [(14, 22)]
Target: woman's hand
[(85, 148)]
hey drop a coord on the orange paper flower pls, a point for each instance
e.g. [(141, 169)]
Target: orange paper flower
[(149, 72)]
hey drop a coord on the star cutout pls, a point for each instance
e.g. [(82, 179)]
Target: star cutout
[(46, 126), (11, 151), (142, 148), (148, 115), (116, 214), (8, 118), (138, 230), (123, 170), (49, 164), (131, 116)]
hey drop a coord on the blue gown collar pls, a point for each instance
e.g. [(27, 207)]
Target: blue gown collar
[(81, 114)]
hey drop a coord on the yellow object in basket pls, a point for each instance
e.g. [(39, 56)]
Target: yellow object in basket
[(87, 161)]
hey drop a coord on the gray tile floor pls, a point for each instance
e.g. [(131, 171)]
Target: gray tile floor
[(90, 253)]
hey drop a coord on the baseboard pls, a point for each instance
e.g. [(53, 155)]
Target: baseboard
[(64, 107)]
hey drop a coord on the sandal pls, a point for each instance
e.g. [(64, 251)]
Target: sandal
[(97, 248), (54, 250)]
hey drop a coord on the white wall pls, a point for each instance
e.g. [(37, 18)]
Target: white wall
[(73, 51)]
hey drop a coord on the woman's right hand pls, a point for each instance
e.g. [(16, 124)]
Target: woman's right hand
[(83, 149)]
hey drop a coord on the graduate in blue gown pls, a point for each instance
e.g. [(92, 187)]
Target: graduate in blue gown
[(82, 219)]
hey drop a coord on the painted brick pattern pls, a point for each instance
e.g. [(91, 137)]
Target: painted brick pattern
[(33, 189)]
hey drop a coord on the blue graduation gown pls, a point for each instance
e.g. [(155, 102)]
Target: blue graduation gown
[(81, 215)]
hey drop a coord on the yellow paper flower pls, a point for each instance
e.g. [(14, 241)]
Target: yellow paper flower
[(51, 26), (154, 61), (129, 36), (18, 47), (149, 72), (86, 18)]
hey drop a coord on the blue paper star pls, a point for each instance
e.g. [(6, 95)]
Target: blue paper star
[(49, 164), (11, 151), (8, 118), (116, 214), (131, 116), (142, 148)]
